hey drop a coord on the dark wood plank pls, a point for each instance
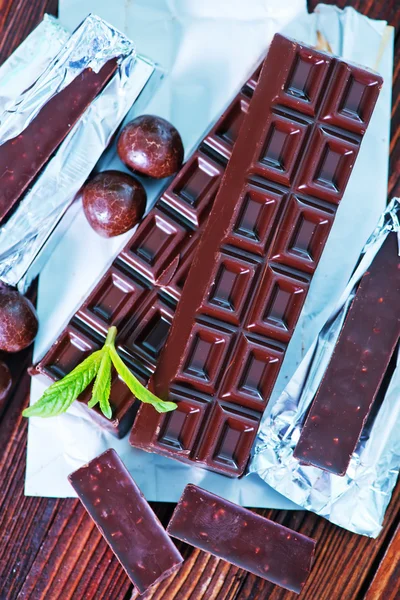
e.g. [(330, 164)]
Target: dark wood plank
[(386, 581), (18, 18), (50, 549), (394, 163)]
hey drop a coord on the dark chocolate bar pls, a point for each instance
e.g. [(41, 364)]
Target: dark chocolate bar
[(22, 157), (125, 519), (139, 292), (257, 255), (243, 538), (358, 364)]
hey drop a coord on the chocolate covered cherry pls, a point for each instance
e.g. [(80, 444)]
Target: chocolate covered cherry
[(151, 146), (5, 380), (113, 202), (18, 320)]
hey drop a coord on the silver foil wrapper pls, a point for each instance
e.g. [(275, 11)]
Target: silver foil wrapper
[(33, 229), (358, 500), (30, 59)]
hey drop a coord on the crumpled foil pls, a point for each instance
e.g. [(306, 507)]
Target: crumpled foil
[(30, 59), (358, 500), (24, 238)]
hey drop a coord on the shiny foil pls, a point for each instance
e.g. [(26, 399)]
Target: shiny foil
[(30, 59), (25, 237), (358, 500)]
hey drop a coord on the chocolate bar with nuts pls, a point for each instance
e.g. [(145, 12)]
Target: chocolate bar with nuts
[(125, 519)]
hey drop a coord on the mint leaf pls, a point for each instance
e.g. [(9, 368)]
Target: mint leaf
[(59, 396), (137, 389), (102, 385)]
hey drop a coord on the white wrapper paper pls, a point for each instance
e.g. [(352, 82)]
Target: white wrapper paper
[(358, 500), (208, 50)]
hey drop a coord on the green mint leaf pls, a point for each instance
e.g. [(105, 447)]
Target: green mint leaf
[(59, 396), (102, 385), (137, 389)]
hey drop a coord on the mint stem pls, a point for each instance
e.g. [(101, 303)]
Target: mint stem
[(111, 336)]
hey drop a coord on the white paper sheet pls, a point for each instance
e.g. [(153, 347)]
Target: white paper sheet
[(208, 49)]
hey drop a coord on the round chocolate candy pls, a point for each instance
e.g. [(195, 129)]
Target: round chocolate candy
[(18, 320), (151, 146), (113, 202), (5, 380)]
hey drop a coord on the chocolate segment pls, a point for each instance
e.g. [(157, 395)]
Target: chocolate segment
[(243, 538), (253, 266), (125, 519), (22, 157), (353, 377), (139, 292)]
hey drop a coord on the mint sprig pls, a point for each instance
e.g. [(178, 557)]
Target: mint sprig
[(61, 394), (102, 386)]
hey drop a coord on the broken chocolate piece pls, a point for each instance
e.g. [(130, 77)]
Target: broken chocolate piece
[(125, 519), (243, 538)]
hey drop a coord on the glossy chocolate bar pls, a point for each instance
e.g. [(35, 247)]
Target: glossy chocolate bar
[(125, 520), (22, 157), (243, 538), (257, 255), (139, 292), (360, 359)]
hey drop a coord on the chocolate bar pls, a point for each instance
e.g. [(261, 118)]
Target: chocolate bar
[(22, 157), (125, 519), (140, 290), (257, 255), (243, 538), (357, 367)]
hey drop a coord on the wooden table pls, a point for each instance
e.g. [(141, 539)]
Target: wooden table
[(50, 549)]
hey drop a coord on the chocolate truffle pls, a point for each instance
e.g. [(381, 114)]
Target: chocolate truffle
[(151, 146), (18, 320), (113, 202), (5, 380)]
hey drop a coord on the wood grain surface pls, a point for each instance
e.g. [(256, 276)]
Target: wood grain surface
[(50, 549)]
